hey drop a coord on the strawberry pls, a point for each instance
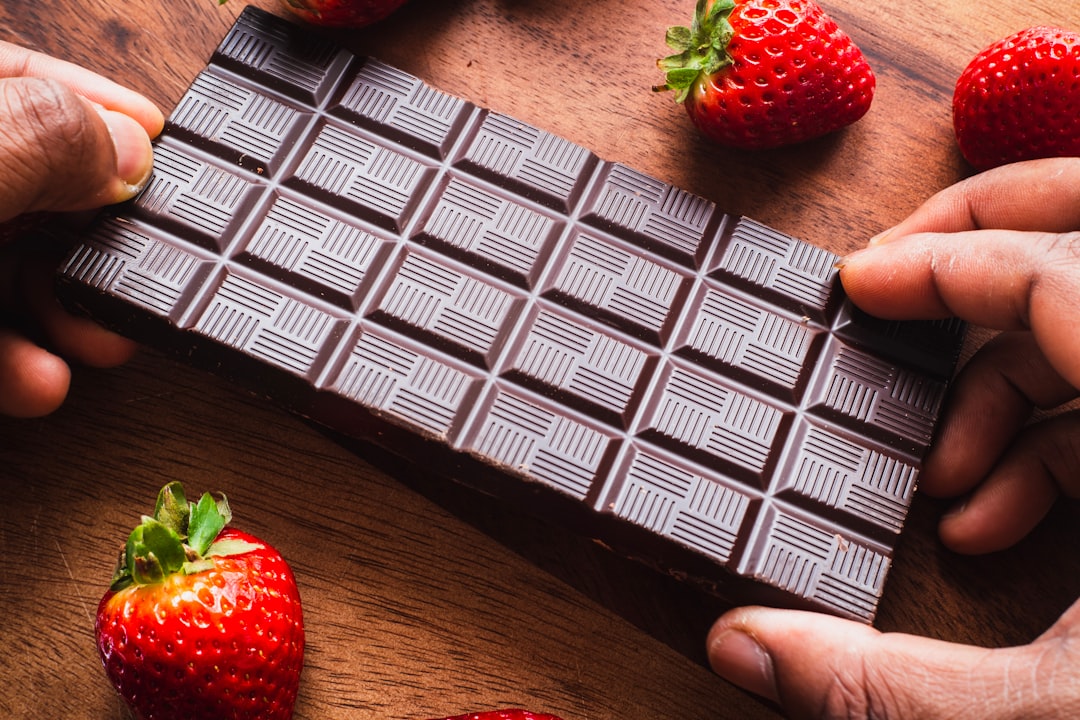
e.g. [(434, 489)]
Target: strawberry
[(757, 74), (201, 621), (342, 13), (511, 714), (1019, 99)]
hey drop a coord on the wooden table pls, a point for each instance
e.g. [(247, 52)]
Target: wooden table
[(421, 600)]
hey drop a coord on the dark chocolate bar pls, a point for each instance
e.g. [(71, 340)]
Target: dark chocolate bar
[(507, 309)]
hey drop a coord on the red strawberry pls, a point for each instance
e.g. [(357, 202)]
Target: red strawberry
[(511, 714), (201, 621), (1019, 99), (759, 74), (342, 13)]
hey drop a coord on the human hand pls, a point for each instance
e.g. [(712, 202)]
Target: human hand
[(69, 140), (1001, 250)]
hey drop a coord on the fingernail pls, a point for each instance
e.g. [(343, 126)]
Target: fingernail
[(846, 259), (134, 153), (740, 659), (955, 510), (881, 238)]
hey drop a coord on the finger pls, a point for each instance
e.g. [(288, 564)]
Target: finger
[(818, 666), (16, 61), (1020, 490), (998, 279), (1049, 201), (60, 152), (84, 341), (33, 382), (75, 338), (80, 339), (990, 401), (1066, 627)]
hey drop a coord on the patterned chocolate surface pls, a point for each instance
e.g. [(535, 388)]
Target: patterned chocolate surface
[(499, 303)]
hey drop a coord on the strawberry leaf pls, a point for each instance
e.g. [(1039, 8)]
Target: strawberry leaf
[(678, 38), (208, 517), (701, 48), (153, 552), (171, 508), (192, 567), (233, 546)]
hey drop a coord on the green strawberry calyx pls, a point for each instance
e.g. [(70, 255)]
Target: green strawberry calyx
[(700, 49), (180, 537)]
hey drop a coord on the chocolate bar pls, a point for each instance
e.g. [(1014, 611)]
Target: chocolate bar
[(512, 312)]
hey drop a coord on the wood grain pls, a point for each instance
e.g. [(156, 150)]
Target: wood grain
[(423, 600)]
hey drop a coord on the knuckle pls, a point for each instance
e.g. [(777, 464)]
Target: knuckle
[(46, 137), (863, 691), (45, 120), (845, 698), (869, 688), (1060, 260), (44, 107), (1057, 448), (1039, 683), (1066, 246)]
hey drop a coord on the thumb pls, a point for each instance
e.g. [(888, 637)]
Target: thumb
[(60, 152), (818, 666)]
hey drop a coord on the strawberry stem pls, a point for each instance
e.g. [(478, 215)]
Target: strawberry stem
[(180, 537), (700, 49)]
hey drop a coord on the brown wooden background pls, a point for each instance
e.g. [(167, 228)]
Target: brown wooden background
[(422, 601)]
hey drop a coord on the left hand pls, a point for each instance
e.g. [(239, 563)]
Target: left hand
[(70, 140)]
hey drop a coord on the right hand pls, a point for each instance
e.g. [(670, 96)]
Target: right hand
[(1002, 250)]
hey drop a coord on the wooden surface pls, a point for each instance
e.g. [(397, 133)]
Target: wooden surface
[(422, 601)]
